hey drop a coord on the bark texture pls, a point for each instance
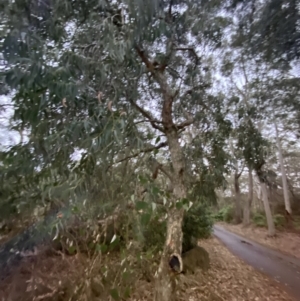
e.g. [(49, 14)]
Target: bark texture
[(269, 217), (248, 203), (287, 202), (165, 278)]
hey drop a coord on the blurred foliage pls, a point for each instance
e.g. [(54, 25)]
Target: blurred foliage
[(269, 28), (77, 78), (225, 214), (259, 219), (197, 224), (279, 220)]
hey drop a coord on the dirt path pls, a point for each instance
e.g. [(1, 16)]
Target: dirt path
[(282, 268)]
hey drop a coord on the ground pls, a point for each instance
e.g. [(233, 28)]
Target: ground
[(285, 242), (229, 279)]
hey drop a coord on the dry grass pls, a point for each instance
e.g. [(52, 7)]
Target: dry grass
[(285, 242), (58, 277)]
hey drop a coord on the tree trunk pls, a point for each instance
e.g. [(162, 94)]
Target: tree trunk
[(237, 197), (165, 281), (283, 173), (269, 217), (165, 278), (259, 204), (237, 191), (248, 203)]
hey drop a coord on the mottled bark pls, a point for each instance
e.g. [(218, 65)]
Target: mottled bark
[(248, 203), (165, 278), (165, 281)]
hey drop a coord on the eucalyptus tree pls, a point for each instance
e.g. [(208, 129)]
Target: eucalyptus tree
[(250, 113), (88, 74), (266, 33)]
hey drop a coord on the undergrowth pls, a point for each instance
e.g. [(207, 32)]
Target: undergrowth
[(100, 259)]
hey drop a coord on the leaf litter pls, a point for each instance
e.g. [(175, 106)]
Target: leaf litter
[(228, 279)]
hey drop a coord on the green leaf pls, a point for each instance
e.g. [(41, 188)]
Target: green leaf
[(143, 180), (101, 248), (72, 250), (145, 218), (127, 293), (141, 205), (115, 294), (155, 190)]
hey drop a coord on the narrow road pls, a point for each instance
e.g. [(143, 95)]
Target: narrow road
[(280, 267)]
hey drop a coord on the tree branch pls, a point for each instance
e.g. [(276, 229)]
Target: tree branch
[(184, 124), (152, 120), (192, 50), (170, 9), (240, 173), (145, 150), (144, 59)]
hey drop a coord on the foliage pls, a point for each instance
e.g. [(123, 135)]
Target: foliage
[(225, 214), (197, 224), (279, 220), (270, 28), (94, 79), (259, 219), (81, 75), (155, 239)]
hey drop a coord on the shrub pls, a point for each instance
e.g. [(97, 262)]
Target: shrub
[(259, 219), (197, 224), (225, 214), (154, 234), (279, 220)]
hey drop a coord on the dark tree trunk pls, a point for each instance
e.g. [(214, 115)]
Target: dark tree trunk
[(237, 198)]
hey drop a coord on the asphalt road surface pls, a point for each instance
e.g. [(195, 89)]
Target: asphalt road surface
[(282, 268)]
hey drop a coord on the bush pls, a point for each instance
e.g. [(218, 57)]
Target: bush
[(279, 220), (259, 219), (154, 234), (225, 214), (197, 224)]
